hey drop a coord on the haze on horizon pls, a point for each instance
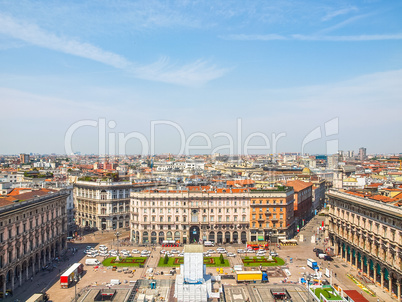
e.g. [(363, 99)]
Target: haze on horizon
[(280, 66)]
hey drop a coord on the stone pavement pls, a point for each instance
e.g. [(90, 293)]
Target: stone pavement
[(49, 281)]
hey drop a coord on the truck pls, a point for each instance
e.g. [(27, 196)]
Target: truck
[(312, 264), (92, 262), (75, 271), (251, 276), (256, 245), (38, 298)]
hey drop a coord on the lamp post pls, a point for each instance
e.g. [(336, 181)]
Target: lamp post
[(308, 278), (75, 287)]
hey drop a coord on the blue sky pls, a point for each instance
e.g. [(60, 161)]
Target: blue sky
[(279, 66)]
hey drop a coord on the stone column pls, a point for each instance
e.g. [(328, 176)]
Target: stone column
[(398, 285), (5, 285), (375, 273), (20, 278), (390, 284), (382, 279), (368, 267), (27, 273), (12, 282)]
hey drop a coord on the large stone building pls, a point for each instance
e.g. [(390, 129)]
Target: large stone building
[(367, 234), (33, 231), (189, 216), (219, 215), (102, 204), (272, 214)]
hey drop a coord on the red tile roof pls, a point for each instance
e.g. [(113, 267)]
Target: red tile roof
[(298, 185)]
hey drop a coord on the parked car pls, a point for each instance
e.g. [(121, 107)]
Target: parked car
[(240, 251), (135, 251), (274, 254), (231, 254), (318, 252)]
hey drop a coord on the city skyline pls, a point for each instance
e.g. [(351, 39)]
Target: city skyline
[(283, 67)]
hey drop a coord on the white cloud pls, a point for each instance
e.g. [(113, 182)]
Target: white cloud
[(31, 33), (339, 12), (344, 23), (255, 37), (313, 37), (355, 38), (195, 73)]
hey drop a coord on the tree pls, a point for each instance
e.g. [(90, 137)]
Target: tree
[(221, 259), (166, 260)]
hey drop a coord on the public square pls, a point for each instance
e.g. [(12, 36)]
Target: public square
[(100, 277)]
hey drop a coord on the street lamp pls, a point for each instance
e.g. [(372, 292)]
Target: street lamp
[(308, 278), (75, 287)]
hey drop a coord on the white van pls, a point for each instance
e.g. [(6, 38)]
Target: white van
[(92, 262), (115, 281), (208, 243)]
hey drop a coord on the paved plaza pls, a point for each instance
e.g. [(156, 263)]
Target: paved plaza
[(100, 277)]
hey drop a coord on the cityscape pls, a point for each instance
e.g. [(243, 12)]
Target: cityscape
[(200, 151)]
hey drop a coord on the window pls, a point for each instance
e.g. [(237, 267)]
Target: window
[(227, 218)]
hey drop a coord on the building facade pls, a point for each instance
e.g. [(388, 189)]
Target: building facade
[(303, 204), (33, 231), (186, 216), (102, 205), (272, 214), (367, 234)]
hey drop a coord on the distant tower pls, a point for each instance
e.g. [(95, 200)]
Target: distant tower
[(362, 153), (337, 179), (24, 158)]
